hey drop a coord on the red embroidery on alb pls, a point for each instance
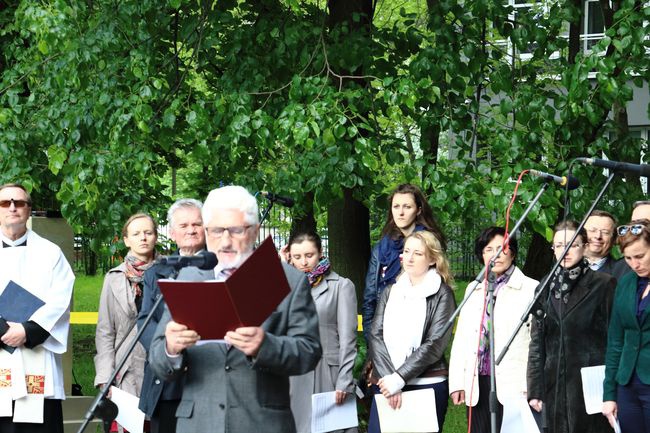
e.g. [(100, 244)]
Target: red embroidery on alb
[(5, 377), (35, 384)]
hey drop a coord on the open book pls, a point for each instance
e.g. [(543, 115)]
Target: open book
[(246, 298)]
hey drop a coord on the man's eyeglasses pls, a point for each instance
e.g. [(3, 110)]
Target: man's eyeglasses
[(235, 231), (563, 246), (603, 232), (17, 203), (635, 229)]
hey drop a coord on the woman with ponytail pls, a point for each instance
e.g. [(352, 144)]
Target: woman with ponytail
[(336, 305)]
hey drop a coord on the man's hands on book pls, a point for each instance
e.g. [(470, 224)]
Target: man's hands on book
[(247, 339), (179, 337)]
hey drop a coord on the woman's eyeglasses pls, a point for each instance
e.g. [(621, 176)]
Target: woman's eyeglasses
[(635, 229), (17, 203)]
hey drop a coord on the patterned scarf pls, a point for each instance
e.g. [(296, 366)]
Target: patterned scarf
[(564, 280), (135, 272), (389, 263), (484, 348), (315, 276)]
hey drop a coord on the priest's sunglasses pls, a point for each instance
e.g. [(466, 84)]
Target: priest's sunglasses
[(635, 229), (17, 203)]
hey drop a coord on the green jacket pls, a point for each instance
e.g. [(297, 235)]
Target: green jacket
[(628, 341)]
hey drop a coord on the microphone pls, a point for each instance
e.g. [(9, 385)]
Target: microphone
[(640, 169), (284, 201), (205, 260), (568, 181)]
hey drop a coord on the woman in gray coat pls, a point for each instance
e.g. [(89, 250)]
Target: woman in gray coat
[(336, 304), (119, 304)]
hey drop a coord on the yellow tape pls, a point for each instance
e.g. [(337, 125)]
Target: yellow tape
[(83, 318), (90, 318)]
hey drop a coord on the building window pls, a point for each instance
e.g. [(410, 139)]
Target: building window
[(593, 25)]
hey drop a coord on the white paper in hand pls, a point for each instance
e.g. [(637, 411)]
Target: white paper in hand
[(517, 417), (327, 416), (592, 388), (417, 414), (129, 416)]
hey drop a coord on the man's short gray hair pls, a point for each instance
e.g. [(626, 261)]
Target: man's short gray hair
[(182, 203), (231, 197)]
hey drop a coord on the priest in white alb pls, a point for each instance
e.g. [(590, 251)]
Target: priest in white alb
[(39, 280)]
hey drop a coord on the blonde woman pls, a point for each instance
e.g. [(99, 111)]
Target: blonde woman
[(406, 343)]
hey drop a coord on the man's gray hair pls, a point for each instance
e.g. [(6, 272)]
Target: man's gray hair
[(231, 197), (182, 203)]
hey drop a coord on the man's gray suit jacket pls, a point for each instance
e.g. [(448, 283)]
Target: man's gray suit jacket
[(226, 391)]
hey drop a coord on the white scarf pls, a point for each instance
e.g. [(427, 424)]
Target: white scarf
[(406, 313), (23, 378)]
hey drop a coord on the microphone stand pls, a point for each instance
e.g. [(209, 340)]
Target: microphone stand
[(491, 279), (543, 285), (266, 212), (101, 407)]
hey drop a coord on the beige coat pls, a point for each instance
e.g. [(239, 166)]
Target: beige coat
[(511, 302), (117, 314), (336, 304)]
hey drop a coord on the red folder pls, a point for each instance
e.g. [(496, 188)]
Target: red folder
[(246, 298)]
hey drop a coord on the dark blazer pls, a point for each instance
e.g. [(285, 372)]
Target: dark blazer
[(615, 267), (429, 358), (628, 342), (226, 391), (371, 292), (153, 389), (562, 344)]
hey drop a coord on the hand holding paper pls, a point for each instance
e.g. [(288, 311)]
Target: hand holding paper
[(610, 410)]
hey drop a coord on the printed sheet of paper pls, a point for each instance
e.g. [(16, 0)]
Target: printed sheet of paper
[(517, 417), (129, 416), (592, 388), (327, 416), (417, 414)]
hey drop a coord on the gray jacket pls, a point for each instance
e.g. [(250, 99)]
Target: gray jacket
[(226, 391)]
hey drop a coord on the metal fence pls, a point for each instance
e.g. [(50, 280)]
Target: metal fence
[(460, 249)]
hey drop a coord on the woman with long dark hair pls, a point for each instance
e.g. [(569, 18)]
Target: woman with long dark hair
[(408, 212)]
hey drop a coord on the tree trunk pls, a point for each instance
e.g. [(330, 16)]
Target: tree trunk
[(575, 28), (430, 145), (348, 219), (305, 222), (349, 238)]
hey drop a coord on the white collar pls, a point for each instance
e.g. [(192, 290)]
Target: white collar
[(18, 241)]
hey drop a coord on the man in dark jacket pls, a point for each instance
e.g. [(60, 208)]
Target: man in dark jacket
[(601, 236), (159, 399)]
